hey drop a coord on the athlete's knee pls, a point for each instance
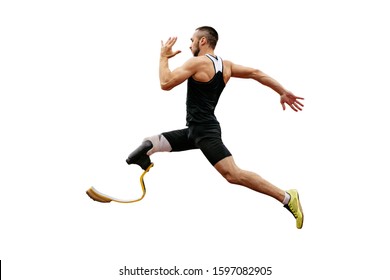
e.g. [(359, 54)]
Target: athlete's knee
[(232, 175), (160, 144)]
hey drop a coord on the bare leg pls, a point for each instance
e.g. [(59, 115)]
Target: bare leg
[(233, 174)]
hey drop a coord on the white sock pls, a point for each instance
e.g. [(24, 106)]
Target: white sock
[(286, 199)]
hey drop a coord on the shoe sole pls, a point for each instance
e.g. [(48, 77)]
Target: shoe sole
[(300, 209)]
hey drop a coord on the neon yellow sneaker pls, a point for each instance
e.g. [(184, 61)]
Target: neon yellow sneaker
[(294, 206)]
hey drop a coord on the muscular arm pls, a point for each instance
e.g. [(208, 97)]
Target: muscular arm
[(239, 71), (286, 96), (170, 79)]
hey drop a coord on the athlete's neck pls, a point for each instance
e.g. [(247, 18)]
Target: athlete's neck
[(207, 51)]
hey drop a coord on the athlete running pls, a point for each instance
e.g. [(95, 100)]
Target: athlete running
[(206, 75)]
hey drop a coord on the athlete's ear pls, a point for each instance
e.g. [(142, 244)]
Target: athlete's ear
[(203, 41)]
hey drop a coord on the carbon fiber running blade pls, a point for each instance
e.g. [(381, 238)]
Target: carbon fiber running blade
[(97, 196)]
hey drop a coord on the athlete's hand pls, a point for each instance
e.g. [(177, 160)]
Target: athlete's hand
[(291, 101), (166, 49)]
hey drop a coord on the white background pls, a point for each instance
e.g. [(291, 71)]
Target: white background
[(79, 91)]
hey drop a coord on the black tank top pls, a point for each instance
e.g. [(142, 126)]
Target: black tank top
[(202, 97)]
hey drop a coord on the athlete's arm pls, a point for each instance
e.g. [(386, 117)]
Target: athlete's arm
[(286, 96), (170, 79), (240, 71)]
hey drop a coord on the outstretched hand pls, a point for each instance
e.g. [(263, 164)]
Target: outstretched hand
[(291, 101), (166, 49)]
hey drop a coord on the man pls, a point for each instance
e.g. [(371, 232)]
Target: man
[(207, 75)]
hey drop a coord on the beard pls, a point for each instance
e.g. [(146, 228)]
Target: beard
[(196, 50)]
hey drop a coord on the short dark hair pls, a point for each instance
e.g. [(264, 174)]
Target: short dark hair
[(211, 35)]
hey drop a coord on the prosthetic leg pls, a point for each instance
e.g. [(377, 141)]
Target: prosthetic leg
[(138, 157)]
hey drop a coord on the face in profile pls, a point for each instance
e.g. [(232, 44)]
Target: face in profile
[(195, 45)]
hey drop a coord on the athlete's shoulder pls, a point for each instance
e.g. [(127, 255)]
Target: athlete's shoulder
[(196, 60), (227, 65), (197, 63)]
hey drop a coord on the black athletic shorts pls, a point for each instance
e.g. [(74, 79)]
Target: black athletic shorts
[(206, 137)]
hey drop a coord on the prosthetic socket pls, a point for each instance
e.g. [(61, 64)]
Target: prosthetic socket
[(149, 146)]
